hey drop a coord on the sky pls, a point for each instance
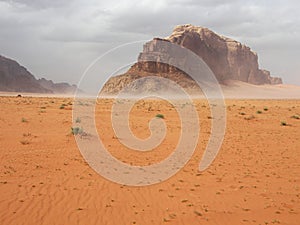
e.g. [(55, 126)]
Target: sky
[(58, 40)]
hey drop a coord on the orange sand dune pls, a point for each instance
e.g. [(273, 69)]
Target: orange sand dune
[(254, 179)]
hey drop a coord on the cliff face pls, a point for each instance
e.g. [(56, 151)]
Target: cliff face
[(227, 58), (16, 78)]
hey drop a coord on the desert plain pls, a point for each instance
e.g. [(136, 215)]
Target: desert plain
[(255, 179)]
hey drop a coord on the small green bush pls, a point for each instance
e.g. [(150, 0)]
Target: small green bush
[(283, 123), (24, 120), (160, 116), (297, 117), (62, 106), (266, 109), (259, 112), (78, 120), (76, 130)]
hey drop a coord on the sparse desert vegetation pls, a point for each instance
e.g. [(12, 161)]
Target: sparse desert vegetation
[(297, 117), (76, 130), (62, 106), (161, 116)]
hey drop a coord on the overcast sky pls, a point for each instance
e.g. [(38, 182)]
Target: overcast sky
[(59, 39)]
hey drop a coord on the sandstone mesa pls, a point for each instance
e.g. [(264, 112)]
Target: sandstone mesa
[(228, 59)]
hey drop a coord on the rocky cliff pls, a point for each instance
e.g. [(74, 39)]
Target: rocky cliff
[(16, 78), (227, 58)]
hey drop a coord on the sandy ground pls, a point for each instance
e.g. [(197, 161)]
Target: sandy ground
[(254, 179), (238, 89), (232, 89)]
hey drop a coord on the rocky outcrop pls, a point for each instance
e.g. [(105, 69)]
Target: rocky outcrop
[(227, 58), (16, 78)]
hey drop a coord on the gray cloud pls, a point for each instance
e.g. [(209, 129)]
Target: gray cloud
[(38, 4), (58, 39)]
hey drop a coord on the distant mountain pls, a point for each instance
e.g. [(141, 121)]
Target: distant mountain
[(16, 78), (227, 58), (60, 88)]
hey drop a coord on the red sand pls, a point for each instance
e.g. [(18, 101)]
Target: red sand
[(254, 179)]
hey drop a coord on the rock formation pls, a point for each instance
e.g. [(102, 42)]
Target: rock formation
[(227, 58), (16, 78)]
